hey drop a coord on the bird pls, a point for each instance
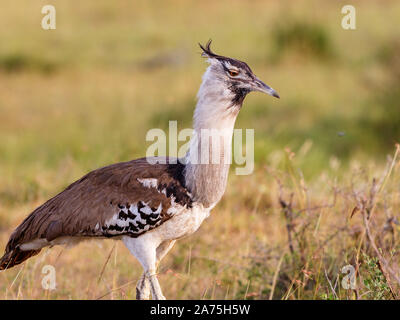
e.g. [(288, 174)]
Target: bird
[(148, 203)]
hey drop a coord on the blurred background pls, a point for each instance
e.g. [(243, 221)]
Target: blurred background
[(84, 95)]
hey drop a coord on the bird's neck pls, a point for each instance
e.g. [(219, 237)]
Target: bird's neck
[(209, 156)]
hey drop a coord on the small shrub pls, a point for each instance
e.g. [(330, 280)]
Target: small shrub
[(375, 282), (302, 39), (19, 62)]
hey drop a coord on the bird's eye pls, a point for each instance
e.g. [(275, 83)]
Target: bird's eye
[(233, 73)]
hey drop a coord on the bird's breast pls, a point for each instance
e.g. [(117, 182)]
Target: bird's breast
[(183, 224)]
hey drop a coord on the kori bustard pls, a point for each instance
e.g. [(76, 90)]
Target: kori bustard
[(147, 203)]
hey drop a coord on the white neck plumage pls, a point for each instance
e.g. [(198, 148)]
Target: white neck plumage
[(208, 159)]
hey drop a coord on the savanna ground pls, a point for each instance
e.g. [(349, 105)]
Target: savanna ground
[(325, 192)]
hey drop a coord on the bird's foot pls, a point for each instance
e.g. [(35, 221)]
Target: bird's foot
[(142, 294)]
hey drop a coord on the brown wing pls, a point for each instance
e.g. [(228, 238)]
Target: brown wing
[(107, 202)]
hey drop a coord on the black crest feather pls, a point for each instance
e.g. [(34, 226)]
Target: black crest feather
[(207, 52)]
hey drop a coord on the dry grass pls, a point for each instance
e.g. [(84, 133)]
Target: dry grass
[(278, 237)]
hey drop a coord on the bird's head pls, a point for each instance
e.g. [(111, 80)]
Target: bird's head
[(233, 77)]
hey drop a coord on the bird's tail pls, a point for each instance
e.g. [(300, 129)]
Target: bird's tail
[(13, 254), (16, 256)]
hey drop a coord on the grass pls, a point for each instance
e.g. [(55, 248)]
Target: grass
[(281, 237), (84, 95)]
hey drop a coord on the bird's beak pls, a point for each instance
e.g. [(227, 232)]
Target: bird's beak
[(262, 87)]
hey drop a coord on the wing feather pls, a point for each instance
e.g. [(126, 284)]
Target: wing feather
[(109, 201)]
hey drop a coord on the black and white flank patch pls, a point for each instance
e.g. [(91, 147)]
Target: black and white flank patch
[(141, 216), (133, 219)]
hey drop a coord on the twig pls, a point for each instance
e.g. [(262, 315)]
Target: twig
[(330, 284), (105, 264), (288, 212), (278, 268), (383, 264), (116, 289)]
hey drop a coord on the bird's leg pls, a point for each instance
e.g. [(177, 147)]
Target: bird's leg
[(143, 288), (143, 285), (156, 292), (144, 248), (163, 249), (161, 252)]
